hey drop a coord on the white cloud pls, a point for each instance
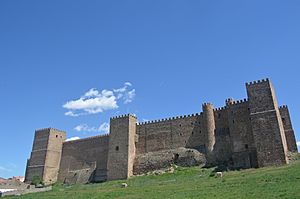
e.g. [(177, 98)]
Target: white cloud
[(298, 144), (95, 101), (128, 97), (103, 128), (72, 138), (70, 113)]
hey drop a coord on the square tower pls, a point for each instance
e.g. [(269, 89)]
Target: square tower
[(267, 127), (45, 155), (121, 151)]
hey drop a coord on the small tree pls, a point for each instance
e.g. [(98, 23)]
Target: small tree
[(36, 180)]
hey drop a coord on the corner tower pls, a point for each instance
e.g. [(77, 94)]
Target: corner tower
[(267, 127), (121, 151), (45, 155)]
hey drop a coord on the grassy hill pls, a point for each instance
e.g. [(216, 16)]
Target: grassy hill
[(273, 182)]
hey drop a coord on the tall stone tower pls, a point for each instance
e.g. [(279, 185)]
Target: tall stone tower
[(45, 155), (209, 127), (267, 127), (288, 128), (121, 151)]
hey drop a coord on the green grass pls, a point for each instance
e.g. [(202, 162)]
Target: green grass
[(273, 182)]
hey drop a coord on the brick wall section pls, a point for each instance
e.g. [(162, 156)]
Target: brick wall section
[(222, 148), (288, 128), (85, 154), (266, 124), (171, 133), (242, 142)]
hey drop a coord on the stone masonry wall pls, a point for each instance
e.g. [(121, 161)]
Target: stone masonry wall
[(171, 133), (242, 141), (84, 160)]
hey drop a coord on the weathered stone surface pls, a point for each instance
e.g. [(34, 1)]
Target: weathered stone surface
[(163, 159), (84, 157)]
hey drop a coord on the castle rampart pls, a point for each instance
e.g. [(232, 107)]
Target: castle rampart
[(248, 133)]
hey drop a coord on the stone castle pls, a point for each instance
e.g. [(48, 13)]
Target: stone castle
[(249, 133)]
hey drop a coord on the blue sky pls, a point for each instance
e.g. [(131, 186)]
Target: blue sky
[(152, 58)]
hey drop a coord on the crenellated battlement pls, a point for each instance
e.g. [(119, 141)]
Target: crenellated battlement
[(238, 102), (257, 82), (123, 116), (283, 107), (207, 104), (48, 129), (169, 119), (88, 138), (220, 108)]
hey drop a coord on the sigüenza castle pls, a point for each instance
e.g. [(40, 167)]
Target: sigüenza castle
[(250, 133)]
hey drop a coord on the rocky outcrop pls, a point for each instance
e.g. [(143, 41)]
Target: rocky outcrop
[(162, 159)]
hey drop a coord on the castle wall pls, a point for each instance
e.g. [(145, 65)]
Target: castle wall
[(232, 131), (183, 131), (84, 160), (242, 141), (288, 129), (222, 148)]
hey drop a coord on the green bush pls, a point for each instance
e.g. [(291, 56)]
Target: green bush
[(36, 180)]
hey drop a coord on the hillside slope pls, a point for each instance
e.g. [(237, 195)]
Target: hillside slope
[(274, 182)]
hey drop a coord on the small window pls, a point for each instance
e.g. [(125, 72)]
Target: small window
[(199, 131), (192, 132), (176, 157), (180, 125), (233, 121), (246, 146), (117, 148), (56, 135), (283, 120), (192, 123)]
